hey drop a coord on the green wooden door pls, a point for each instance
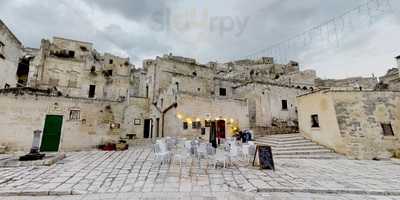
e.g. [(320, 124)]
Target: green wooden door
[(51, 133)]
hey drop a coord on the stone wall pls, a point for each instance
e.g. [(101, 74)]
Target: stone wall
[(10, 53), (360, 115), (21, 115), (351, 121), (354, 82)]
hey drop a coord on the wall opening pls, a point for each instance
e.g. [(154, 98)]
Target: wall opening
[(387, 129), (92, 91), (23, 71), (222, 91), (314, 121), (284, 105)]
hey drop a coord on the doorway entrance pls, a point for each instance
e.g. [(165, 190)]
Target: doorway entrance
[(51, 133), (220, 130), (146, 131)]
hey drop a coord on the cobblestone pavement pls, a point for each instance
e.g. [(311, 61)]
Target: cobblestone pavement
[(206, 196), (134, 171)]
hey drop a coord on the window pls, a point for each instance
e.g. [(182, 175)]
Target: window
[(196, 125), (110, 72), (387, 129), (74, 115), (284, 105), (185, 125), (111, 61), (161, 103), (314, 121), (71, 54), (222, 91), (83, 48), (2, 49), (92, 91)]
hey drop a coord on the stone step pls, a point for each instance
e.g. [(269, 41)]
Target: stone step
[(308, 144), (306, 148), (303, 141), (283, 135), (312, 156), (307, 152)]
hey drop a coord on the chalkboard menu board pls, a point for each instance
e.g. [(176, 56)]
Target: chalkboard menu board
[(265, 157)]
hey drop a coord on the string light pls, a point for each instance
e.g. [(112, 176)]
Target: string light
[(330, 32)]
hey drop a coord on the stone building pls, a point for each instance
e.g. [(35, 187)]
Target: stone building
[(214, 100), (359, 124), (11, 51), (391, 80), (360, 83)]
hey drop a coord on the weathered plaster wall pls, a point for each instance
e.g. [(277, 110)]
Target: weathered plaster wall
[(193, 108), (360, 114), (10, 53), (350, 121), (328, 134), (136, 110), (21, 115)]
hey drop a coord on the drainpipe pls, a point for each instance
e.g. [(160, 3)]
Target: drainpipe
[(174, 105)]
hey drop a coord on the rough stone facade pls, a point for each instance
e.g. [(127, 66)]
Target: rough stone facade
[(348, 83), (11, 50), (352, 122), (243, 94), (169, 96)]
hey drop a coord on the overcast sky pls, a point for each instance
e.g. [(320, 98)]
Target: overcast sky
[(212, 30)]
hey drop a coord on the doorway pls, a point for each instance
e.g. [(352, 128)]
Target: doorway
[(158, 127), (51, 133), (220, 130), (146, 131), (213, 134)]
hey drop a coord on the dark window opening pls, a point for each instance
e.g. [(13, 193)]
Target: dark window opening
[(71, 54), (110, 72), (74, 115), (92, 91), (185, 125), (177, 86), (194, 73), (147, 91), (198, 89), (222, 91), (314, 121), (83, 48), (304, 88), (284, 105), (23, 72), (161, 103), (2, 50), (93, 70), (111, 61), (196, 125), (387, 129)]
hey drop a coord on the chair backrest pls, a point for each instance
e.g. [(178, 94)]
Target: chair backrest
[(163, 147), (188, 144), (156, 148), (219, 154), (234, 150)]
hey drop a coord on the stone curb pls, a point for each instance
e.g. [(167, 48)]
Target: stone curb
[(271, 190), (332, 191)]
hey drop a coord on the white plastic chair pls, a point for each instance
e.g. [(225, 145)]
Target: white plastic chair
[(161, 153), (220, 157)]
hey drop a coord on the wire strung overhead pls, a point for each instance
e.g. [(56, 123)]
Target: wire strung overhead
[(330, 32)]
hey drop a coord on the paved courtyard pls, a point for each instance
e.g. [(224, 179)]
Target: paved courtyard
[(90, 173)]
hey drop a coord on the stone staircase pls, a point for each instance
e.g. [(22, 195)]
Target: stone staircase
[(295, 146)]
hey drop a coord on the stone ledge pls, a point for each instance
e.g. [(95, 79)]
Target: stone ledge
[(48, 160), (332, 191)]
